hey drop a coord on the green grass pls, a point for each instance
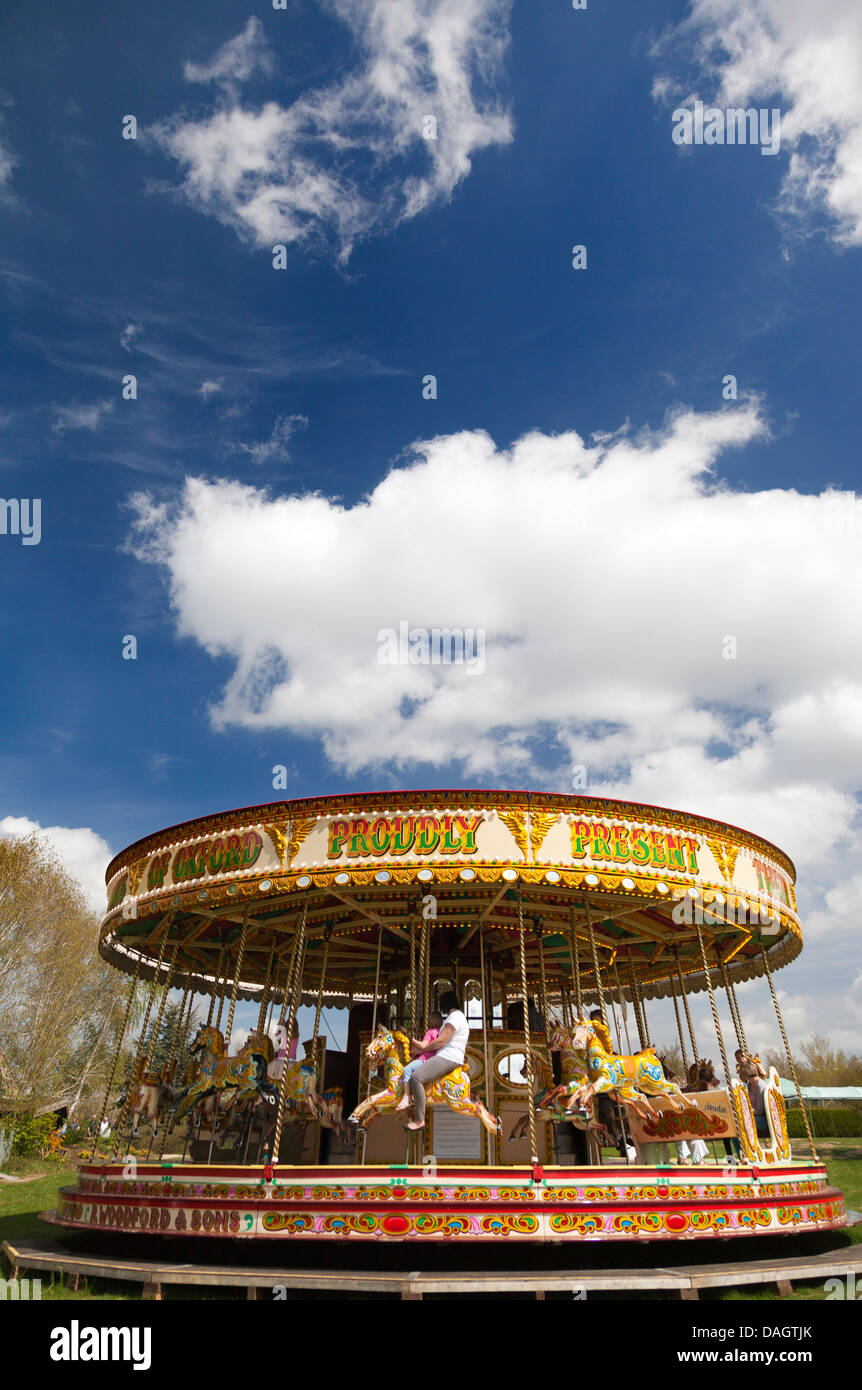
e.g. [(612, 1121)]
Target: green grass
[(21, 1202)]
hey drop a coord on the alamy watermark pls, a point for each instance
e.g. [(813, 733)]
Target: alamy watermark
[(21, 517), (689, 910), (434, 646), (21, 1290), (709, 125)]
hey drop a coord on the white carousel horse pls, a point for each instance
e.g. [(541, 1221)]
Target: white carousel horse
[(151, 1094)]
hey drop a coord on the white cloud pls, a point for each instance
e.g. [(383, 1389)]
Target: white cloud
[(209, 388), (274, 449), (352, 157), (606, 577), (83, 854), (129, 334), (809, 56), (237, 59), (80, 417)]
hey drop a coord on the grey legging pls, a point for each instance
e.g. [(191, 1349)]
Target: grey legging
[(429, 1071)]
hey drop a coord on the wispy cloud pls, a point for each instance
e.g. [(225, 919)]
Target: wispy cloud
[(807, 60), (209, 388), (129, 334), (388, 139), (274, 449), (236, 60), (80, 417)]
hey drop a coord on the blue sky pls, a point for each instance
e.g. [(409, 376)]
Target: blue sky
[(584, 494)]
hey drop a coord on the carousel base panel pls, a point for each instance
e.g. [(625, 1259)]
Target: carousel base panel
[(453, 1204)]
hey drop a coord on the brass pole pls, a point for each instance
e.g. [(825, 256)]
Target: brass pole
[(215, 986), (789, 1054), (264, 994), (679, 1027), (487, 1015), (142, 1041), (171, 1055), (110, 1084), (282, 1090), (235, 987), (732, 994), (717, 1026), (623, 1010), (326, 939), (373, 1022), (687, 1012), (639, 1023), (526, 1010), (413, 1019), (595, 956)]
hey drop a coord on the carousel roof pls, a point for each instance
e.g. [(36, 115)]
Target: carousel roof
[(649, 886)]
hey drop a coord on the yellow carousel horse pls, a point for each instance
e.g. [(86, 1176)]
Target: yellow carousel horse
[(218, 1073), (632, 1078), (392, 1052)]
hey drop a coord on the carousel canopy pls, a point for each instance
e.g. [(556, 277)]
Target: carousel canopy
[(649, 887)]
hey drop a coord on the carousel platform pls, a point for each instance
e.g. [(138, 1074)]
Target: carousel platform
[(685, 1281), (457, 1205)]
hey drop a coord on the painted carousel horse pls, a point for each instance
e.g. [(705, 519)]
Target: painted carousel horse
[(701, 1076), (303, 1101), (392, 1051), (562, 1100), (631, 1078), (219, 1074), (150, 1094), (301, 1095)]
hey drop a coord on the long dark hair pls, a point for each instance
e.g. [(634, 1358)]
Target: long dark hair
[(449, 1001)]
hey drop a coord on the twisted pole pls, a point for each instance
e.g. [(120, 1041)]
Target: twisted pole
[(717, 1025), (789, 1054), (110, 1084), (595, 956), (282, 1090), (141, 1044), (527, 1048), (235, 987)]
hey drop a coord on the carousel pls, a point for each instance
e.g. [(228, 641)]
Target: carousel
[(554, 921)]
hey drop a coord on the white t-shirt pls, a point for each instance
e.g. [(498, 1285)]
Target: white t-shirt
[(454, 1049)]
